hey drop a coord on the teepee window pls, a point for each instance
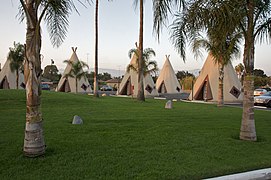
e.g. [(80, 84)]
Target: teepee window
[(22, 85), (178, 89), (84, 87), (149, 88), (235, 92)]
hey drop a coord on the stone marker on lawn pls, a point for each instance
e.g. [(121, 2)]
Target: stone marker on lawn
[(77, 120), (168, 105)]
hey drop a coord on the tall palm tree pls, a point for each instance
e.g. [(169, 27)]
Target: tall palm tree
[(149, 66), (254, 21), (140, 94), (96, 94), (251, 18), (76, 71), (222, 43), (55, 13), (16, 58)]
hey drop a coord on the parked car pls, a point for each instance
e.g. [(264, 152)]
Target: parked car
[(45, 86), (106, 88), (258, 92), (264, 100)]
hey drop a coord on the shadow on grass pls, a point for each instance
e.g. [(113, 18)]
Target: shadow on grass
[(259, 138)]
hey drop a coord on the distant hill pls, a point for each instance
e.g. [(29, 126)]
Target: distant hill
[(117, 73), (113, 72)]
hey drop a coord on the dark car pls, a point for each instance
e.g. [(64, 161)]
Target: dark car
[(106, 88), (263, 100)]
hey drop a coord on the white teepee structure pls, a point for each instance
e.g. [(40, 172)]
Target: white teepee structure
[(8, 78), (129, 83), (167, 81), (67, 84), (206, 85)]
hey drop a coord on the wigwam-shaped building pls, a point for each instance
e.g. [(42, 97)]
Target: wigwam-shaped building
[(8, 78), (129, 83), (67, 83), (206, 85), (167, 81)]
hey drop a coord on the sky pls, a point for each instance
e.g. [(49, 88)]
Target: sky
[(118, 32)]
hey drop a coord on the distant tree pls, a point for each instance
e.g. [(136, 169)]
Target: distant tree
[(183, 74), (16, 58), (260, 78), (105, 76), (259, 72), (51, 72), (76, 71), (187, 82)]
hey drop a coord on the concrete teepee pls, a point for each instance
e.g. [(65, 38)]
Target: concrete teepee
[(167, 81), (8, 78), (67, 84), (129, 83), (206, 85)]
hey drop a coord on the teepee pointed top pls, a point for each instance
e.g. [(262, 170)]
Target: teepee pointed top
[(74, 49)]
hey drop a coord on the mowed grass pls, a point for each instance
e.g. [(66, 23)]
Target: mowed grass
[(122, 138)]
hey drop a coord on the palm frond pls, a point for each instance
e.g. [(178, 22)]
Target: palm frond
[(56, 19), (131, 52)]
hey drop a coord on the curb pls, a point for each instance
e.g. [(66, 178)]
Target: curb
[(262, 174)]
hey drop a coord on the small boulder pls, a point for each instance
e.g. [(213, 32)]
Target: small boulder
[(77, 120), (168, 104)]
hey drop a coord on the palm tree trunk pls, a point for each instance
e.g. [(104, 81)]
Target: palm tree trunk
[(96, 94), (220, 99), (248, 130), (140, 94), (17, 79), (34, 144)]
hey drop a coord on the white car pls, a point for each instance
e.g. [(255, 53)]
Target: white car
[(263, 100), (259, 92)]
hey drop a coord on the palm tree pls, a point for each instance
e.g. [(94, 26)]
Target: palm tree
[(16, 58), (251, 18), (254, 21), (96, 94), (55, 13), (76, 71), (198, 19), (149, 66), (140, 94)]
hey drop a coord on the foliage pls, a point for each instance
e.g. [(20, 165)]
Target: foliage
[(51, 72), (259, 72), (239, 69), (188, 82), (76, 71), (183, 74), (121, 139), (260, 78), (16, 57), (101, 76), (149, 66)]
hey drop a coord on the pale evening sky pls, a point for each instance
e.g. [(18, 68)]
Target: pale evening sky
[(118, 32)]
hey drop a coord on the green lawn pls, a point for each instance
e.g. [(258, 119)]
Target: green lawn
[(125, 139)]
